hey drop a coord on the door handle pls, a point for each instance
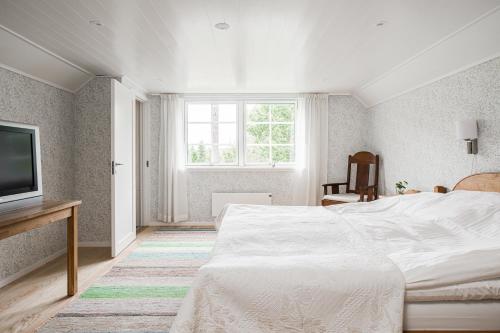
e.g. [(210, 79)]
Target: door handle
[(113, 165)]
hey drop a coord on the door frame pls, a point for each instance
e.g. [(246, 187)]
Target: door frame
[(140, 94), (144, 159)]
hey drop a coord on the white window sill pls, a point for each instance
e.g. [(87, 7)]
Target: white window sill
[(239, 169)]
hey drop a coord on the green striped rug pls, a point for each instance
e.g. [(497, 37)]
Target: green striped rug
[(142, 293)]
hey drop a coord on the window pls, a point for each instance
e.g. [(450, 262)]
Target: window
[(244, 133), (212, 134), (269, 133)]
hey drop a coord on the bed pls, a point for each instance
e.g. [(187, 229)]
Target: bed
[(418, 262)]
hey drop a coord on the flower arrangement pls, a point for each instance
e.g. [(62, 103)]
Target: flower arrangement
[(401, 186)]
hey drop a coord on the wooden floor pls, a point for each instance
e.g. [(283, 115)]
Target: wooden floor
[(27, 303)]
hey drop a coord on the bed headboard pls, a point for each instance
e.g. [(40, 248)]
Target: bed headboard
[(485, 182)]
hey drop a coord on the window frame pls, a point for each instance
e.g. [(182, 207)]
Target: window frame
[(294, 144), (241, 125), (211, 122)]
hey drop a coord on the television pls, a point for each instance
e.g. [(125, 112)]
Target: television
[(20, 164)]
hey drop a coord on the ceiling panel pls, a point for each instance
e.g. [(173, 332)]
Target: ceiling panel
[(272, 46), (19, 55), (474, 45)]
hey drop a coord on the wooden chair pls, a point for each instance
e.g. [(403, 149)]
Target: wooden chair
[(363, 161)]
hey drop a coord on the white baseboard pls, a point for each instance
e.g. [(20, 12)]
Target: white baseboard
[(155, 224), (5, 281), (94, 244), (166, 224)]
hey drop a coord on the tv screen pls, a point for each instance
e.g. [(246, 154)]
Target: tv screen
[(18, 160)]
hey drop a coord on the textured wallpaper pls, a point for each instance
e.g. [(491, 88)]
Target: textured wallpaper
[(92, 159), (347, 124), (415, 133), (28, 101), (154, 107), (347, 118)]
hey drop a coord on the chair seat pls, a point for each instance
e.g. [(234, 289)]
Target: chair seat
[(344, 197)]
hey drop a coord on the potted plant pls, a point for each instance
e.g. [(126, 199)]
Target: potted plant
[(401, 186)]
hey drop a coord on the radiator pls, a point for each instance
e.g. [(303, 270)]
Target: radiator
[(219, 200)]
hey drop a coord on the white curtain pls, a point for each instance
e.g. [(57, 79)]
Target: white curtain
[(312, 148), (172, 184)]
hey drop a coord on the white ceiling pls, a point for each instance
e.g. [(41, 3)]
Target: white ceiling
[(272, 46), (19, 55)]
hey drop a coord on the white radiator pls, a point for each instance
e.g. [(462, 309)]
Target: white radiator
[(219, 200)]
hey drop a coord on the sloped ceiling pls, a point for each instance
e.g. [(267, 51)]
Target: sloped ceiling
[(22, 56), (475, 43), (333, 46)]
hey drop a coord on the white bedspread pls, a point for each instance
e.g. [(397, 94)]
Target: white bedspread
[(342, 268), (434, 239)]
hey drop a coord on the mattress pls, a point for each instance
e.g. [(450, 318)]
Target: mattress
[(473, 291), (474, 316)]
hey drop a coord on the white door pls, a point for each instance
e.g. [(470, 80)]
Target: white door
[(122, 183)]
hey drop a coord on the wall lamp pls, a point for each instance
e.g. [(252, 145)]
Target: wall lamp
[(467, 130)]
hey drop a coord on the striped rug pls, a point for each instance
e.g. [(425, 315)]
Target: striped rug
[(142, 293)]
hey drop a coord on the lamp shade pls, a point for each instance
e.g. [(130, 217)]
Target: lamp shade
[(466, 129)]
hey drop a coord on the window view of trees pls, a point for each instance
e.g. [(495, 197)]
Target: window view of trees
[(200, 154), (212, 133), (270, 133)]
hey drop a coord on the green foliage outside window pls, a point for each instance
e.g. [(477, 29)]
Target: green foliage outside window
[(282, 133), (199, 154), (228, 155), (258, 112), (258, 133), (271, 126), (258, 154), (283, 154), (282, 112)]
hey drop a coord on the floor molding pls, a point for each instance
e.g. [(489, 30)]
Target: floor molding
[(183, 225), (94, 244), (5, 281), (154, 224)]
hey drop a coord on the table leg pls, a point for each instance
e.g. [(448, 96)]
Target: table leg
[(72, 235)]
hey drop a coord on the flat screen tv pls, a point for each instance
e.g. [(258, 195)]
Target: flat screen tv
[(20, 165)]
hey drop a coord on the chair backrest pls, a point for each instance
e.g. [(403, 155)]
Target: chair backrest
[(363, 161)]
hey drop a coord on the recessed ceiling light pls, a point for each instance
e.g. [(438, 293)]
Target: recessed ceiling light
[(381, 23), (222, 26), (97, 23)]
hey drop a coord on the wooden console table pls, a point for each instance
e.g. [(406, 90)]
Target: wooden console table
[(36, 215)]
